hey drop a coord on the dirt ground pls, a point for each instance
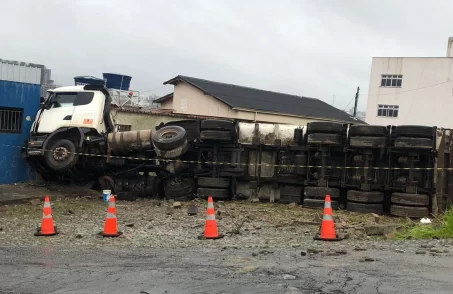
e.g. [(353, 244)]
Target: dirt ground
[(79, 214)]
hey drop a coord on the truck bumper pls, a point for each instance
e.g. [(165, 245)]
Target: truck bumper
[(34, 146)]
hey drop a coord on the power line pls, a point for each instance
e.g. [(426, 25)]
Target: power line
[(153, 89)]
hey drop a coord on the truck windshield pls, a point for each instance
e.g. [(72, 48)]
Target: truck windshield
[(69, 99)]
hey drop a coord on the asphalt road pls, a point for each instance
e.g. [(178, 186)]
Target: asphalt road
[(197, 270)]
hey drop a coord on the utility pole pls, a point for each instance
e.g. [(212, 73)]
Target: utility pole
[(356, 100)]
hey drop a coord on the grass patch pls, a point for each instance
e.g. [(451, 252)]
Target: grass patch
[(442, 229)]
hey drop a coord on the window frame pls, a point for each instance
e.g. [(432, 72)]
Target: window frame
[(128, 128), (387, 109), (393, 81), (19, 113)]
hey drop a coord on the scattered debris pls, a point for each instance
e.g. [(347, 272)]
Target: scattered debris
[(425, 221), (378, 230), (303, 253), (35, 202), (367, 259), (436, 250), (341, 251), (79, 236), (420, 252), (177, 205), (192, 210), (129, 225), (70, 211), (376, 217), (289, 277), (292, 205), (314, 250), (358, 248), (170, 210), (399, 250)]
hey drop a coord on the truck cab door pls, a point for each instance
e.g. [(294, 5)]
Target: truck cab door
[(57, 112)]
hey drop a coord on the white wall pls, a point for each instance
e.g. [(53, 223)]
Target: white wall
[(425, 96)]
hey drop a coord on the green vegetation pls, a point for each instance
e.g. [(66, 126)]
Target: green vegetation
[(442, 229)]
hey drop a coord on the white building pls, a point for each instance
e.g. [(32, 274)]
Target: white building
[(411, 91)]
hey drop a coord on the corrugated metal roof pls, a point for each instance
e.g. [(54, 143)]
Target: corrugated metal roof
[(164, 112), (22, 72)]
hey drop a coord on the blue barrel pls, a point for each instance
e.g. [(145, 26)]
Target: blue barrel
[(117, 81), (87, 80)]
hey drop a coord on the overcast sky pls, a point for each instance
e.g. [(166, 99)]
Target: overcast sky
[(310, 48)]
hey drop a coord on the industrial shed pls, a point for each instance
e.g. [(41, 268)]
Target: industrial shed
[(196, 96), (20, 85)]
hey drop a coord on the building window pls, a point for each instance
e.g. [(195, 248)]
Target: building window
[(11, 120), (388, 110), (124, 128), (391, 80)]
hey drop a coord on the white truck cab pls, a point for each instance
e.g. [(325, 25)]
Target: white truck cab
[(70, 119)]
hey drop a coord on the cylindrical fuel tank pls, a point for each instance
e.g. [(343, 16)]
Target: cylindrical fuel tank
[(130, 141), (298, 136)]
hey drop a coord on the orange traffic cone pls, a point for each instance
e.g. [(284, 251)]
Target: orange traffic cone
[(110, 226), (327, 230), (210, 227), (327, 206), (47, 228)]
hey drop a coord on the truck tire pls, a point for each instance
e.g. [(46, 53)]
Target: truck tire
[(372, 131), (216, 135), (169, 137), (324, 127), (213, 182), (321, 192), (316, 203), (408, 211), (365, 207), (410, 199), (213, 192), (414, 131), (368, 142), (217, 124), (61, 155), (324, 139), (179, 189), (173, 153), (365, 196), (416, 143)]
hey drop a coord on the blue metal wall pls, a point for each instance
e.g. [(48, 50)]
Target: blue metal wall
[(13, 168)]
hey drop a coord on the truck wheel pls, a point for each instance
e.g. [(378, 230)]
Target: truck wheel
[(179, 188), (169, 137), (324, 127), (410, 199), (217, 124), (216, 136), (321, 192), (365, 196), (365, 207), (61, 155), (213, 182), (373, 131), (173, 153), (414, 131), (417, 143), (370, 142), (408, 211), (316, 203), (214, 193), (324, 139)]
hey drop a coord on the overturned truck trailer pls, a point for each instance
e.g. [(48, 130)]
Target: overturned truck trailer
[(401, 170)]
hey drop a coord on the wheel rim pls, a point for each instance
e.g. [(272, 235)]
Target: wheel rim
[(60, 153), (169, 134)]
